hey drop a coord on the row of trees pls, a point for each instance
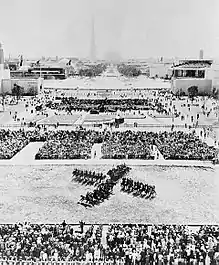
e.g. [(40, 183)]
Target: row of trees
[(93, 70), (129, 71), (194, 92), (18, 91)]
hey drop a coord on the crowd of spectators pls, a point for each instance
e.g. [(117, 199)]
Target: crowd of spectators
[(11, 142), (163, 244), (103, 105), (69, 145), (36, 242), (126, 145), (184, 146), (77, 144), (128, 244), (172, 145)]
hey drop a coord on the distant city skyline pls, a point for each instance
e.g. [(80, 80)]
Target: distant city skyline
[(132, 29)]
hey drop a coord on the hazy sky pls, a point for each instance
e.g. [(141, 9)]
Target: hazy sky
[(133, 28)]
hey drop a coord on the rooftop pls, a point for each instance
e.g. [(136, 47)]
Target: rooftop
[(193, 64)]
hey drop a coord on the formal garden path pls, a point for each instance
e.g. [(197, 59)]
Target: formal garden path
[(96, 152)]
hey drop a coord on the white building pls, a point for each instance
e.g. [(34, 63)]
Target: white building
[(201, 73), (4, 73)]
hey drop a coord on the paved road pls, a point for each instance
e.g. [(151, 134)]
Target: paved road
[(7, 118)]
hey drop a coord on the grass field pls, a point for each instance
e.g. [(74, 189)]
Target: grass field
[(48, 194)]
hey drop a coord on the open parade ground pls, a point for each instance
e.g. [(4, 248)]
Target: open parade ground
[(47, 194)]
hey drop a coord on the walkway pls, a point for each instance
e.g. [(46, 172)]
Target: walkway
[(104, 234), (80, 121), (6, 117), (156, 153), (96, 151), (114, 162), (209, 140), (27, 155)]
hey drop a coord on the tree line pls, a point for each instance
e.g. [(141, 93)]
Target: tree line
[(128, 70), (93, 70)]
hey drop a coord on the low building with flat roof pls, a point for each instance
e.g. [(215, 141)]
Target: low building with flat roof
[(202, 73)]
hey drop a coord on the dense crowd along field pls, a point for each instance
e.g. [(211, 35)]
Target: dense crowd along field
[(172, 145), (134, 244), (103, 105), (115, 145)]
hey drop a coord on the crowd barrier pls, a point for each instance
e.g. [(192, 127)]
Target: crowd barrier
[(176, 262), (23, 262), (12, 125), (125, 125), (152, 125)]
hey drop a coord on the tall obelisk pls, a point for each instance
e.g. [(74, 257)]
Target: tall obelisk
[(1, 70), (1, 59), (93, 45)]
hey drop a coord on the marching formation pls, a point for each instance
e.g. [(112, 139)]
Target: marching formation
[(98, 195), (104, 189), (138, 189), (118, 172), (86, 177), (105, 184)]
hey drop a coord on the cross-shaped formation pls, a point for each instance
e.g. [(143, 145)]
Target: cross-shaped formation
[(104, 185)]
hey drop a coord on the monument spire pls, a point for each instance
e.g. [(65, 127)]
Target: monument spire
[(1, 55), (1, 61), (93, 45)]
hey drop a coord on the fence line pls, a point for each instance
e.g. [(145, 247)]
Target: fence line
[(28, 262), (113, 223), (181, 261), (125, 125), (153, 125), (12, 125)]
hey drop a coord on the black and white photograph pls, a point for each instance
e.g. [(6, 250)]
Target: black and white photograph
[(109, 132)]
